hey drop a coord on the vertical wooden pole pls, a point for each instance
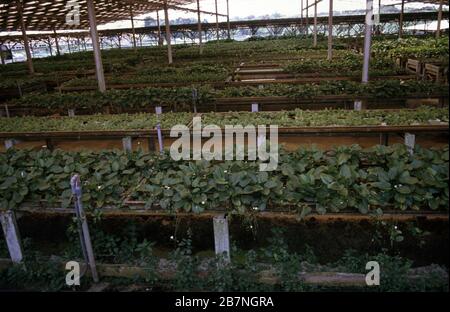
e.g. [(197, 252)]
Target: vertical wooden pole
[(307, 18), (367, 41), (379, 16), (56, 42), (168, 35), (2, 57), (438, 30), (315, 24), (400, 23), (68, 44), (12, 236), (25, 38), (221, 236), (132, 28), (301, 16), (330, 32), (49, 42), (199, 27), (217, 22), (95, 45), (228, 21), (159, 28)]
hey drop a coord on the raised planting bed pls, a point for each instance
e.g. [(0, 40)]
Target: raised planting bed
[(337, 94), (10, 89), (431, 125), (309, 180), (252, 79)]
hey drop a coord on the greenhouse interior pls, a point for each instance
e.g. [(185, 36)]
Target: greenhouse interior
[(224, 146)]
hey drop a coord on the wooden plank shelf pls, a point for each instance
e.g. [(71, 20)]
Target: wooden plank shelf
[(267, 103), (444, 128), (137, 209), (284, 78)]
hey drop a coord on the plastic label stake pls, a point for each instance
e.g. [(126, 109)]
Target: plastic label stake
[(85, 238)]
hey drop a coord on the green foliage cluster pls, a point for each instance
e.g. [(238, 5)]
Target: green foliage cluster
[(295, 118), (375, 89), (116, 99), (181, 97), (422, 49), (157, 74), (328, 117), (345, 178), (349, 64), (94, 122)]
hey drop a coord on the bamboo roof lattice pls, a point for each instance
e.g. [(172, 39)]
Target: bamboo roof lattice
[(51, 14)]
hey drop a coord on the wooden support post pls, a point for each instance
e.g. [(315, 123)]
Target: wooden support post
[(221, 236), (56, 42), (151, 144), (410, 142), (315, 24), (367, 41), (228, 21), (168, 34), (49, 41), (438, 29), (217, 22), (400, 23), (301, 17), (19, 88), (95, 45), (9, 143), (12, 236), (7, 109), (384, 139), (127, 143), (379, 17), (330, 32), (68, 44), (194, 99), (159, 29), (49, 144), (307, 18), (2, 57), (25, 38), (132, 28), (199, 27)]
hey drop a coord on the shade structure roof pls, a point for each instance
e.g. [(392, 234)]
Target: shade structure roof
[(51, 14)]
